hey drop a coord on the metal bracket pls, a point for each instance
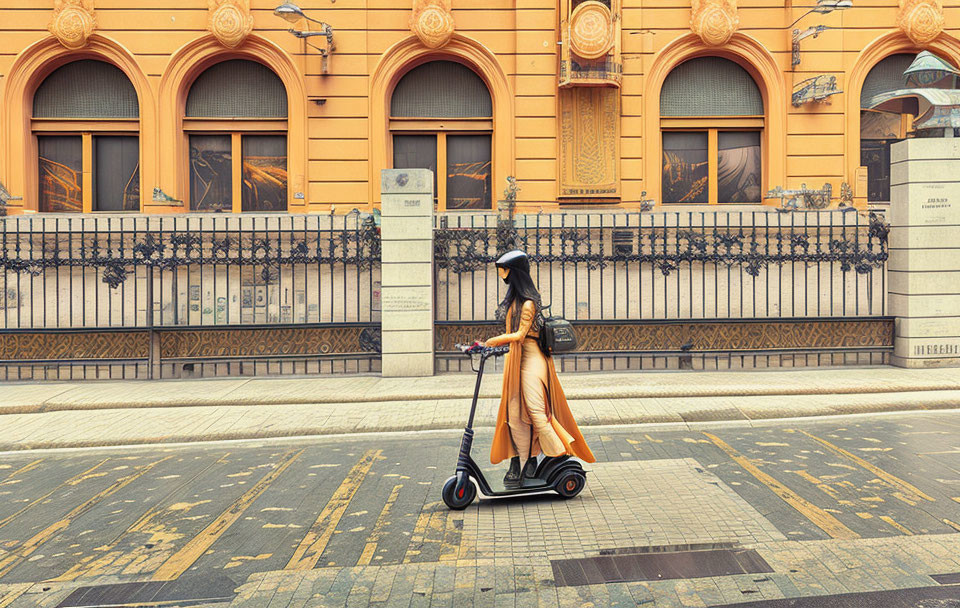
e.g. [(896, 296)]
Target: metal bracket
[(805, 198), (818, 89), (798, 36)]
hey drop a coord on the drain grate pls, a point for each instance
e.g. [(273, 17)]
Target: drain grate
[(657, 563), (952, 578), (185, 591)]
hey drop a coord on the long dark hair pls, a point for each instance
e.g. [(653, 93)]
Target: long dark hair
[(520, 287)]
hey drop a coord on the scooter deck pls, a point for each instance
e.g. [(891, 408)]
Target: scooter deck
[(498, 488)]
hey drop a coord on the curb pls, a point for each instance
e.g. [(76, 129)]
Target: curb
[(748, 411)]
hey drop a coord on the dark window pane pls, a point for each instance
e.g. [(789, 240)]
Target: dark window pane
[(441, 89), (237, 88), (468, 172), (116, 173), (86, 89), (211, 170), (684, 167), (264, 172), (61, 173), (416, 152), (875, 156), (710, 86), (738, 167)]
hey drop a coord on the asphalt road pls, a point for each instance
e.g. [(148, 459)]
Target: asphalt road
[(226, 511)]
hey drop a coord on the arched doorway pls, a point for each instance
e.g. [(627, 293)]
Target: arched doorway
[(441, 118), (236, 124), (86, 121), (880, 130), (711, 123)]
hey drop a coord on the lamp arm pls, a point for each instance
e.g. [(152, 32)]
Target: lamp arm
[(801, 17)]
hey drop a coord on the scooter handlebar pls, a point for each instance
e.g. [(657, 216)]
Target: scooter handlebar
[(486, 351)]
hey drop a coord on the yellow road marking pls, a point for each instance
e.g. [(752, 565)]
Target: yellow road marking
[(12, 593), (94, 566), (893, 480), (953, 525), (68, 482), (890, 521), (864, 515), (179, 562), (313, 544), (449, 550), (820, 518), (18, 555), (371, 547), (27, 467)]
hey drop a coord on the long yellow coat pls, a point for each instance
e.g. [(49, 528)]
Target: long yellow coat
[(558, 410)]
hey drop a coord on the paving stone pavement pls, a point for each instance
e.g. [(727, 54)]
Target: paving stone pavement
[(42, 415)]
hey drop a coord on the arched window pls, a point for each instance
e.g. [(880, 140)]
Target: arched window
[(86, 121), (880, 130), (711, 118), (441, 115), (236, 122)]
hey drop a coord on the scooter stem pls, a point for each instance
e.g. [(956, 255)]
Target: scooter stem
[(476, 392)]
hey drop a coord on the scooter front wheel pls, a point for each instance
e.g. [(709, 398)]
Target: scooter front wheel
[(570, 484), (462, 499)]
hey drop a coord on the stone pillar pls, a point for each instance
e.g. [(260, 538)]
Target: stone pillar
[(924, 266), (406, 276)]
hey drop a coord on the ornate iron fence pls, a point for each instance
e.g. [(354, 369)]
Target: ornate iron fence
[(142, 296), (679, 289)]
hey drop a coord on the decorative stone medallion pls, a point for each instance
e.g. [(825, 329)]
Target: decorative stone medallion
[(432, 22), (73, 22), (715, 21), (230, 21), (591, 30), (921, 20)]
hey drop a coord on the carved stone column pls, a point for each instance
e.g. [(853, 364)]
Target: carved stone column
[(230, 21), (73, 22)]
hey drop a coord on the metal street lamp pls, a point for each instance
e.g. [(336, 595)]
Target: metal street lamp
[(825, 6), (292, 13)]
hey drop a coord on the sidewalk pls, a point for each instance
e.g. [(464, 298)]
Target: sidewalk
[(82, 414)]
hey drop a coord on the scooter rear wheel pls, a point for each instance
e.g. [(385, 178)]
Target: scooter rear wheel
[(570, 484), (458, 502)]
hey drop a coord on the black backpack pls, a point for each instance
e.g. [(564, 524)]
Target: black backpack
[(557, 335)]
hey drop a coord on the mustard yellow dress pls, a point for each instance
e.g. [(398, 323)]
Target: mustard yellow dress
[(534, 415)]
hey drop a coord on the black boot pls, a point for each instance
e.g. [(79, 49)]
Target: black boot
[(529, 469), (513, 473)]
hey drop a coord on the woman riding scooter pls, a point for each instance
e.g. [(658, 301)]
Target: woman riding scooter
[(534, 415)]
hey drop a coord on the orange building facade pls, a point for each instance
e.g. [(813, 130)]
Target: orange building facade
[(192, 105)]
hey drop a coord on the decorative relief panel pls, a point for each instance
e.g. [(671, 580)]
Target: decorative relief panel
[(715, 21), (733, 335), (73, 22), (589, 141), (65, 346), (230, 21), (590, 43), (275, 341), (591, 30), (921, 20), (432, 22)]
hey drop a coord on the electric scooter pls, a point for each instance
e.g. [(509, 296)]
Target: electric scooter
[(563, 475)]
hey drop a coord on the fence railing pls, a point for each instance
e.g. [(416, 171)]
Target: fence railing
[(612, 271), (251, 289)]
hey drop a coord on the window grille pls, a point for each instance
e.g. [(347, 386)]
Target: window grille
[(710, 86), (237, 88), (441, 89), (86, 89), (887, 75)]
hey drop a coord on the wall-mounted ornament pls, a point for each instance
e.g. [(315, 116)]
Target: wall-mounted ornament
[(921, 20), (819, 88), (591, 30), (432, 22), (73, 22), (804, 198), (715, 21), (230, 21)]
